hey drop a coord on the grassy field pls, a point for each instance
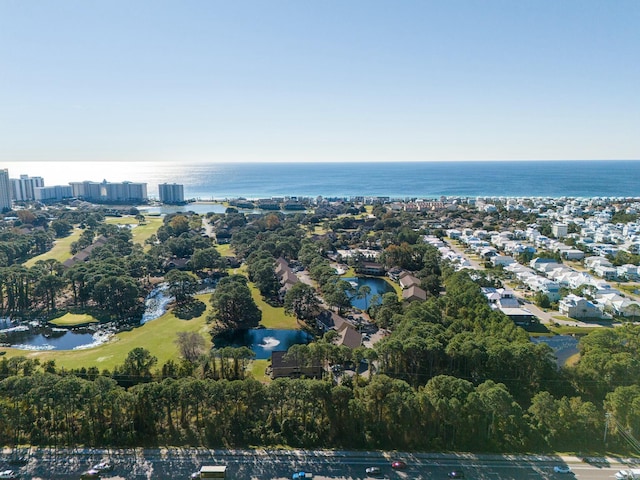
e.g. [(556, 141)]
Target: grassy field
[(272, 317), (141, 232), (225, 250), (157, 336), (73, 319), (569, 330), (61, 250), (257, 369)]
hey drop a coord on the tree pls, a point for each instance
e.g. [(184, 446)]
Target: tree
[(233, 305), (302, 301), (335, 294), (137, 367), (206, 258), (118, 296), (363, 292), (191, 345), (181, 285), (62, 228)]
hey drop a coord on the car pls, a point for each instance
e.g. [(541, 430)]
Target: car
[(398, 465), (90, 474), (374, 471), (8, 474), (103, 466), (455, 474), (562, 469), (301, 475)]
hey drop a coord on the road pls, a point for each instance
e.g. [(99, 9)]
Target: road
[(178, 464)]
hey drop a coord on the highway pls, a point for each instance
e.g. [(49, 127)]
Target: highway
[(178, 464)]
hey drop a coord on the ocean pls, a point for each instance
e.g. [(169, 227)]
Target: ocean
[(214, 181)]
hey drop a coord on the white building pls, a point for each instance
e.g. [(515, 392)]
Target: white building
[(23, 188), (560, 230), (579, 308), (110, 192), (5, 190), (171, 193), (53, 194)]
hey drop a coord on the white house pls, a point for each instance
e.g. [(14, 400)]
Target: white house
[(579, 308)]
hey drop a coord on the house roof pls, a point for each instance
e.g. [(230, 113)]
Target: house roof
[(414, 293), (350, 337)]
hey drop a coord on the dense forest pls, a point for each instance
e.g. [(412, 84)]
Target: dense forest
[(451, 375)]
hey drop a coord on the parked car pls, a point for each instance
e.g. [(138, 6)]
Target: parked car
[(90, 474), (8, 474), (562, 469), (398, 465), (456, 474), (103, 466), (373, 471), (301, 475)]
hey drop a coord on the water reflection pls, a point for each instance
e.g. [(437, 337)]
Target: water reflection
[(564, 346), (34, 336), (262, 341), (378, 286)]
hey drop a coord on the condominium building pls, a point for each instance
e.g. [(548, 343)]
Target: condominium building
[(23, 188), (53, 194), (171, 193), (109, 192), (5, 190)]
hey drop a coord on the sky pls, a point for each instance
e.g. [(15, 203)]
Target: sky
[(319, 80)]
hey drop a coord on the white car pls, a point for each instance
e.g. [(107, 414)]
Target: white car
[(9, 474), (562, 469), (103, 466)]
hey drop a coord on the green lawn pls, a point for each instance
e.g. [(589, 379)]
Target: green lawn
[(257, 369), (225, 250), (350, 273), (569, 330), (141, 232), (157, 336), (272, 317), (73, 319), (61, 250)]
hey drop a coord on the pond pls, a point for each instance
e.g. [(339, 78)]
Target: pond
[(33, 336), (564, 346), (378, 286), (263, 341)]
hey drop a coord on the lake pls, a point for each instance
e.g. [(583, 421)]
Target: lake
[(36, 337), (378, 286), (33, 336), (263, 341), (564, 346)]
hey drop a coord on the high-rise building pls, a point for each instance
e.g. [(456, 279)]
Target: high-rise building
[(23, 188), (53, 194), (110, 192), (171, 193), (5, 190)]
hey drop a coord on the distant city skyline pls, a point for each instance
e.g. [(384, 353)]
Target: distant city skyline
[(289, 81)]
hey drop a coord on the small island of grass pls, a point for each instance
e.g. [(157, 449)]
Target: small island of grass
[(73, 320)]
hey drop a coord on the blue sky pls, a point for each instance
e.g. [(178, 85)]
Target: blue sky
[(326, 80)]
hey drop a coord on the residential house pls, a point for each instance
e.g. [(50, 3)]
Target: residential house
[(290, 367), (406, 280), (579, 308), (370, 268), (286, 275), (349, 335), (414, 293)]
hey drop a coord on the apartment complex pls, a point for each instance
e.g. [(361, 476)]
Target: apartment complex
[(23, 188), (109, 192), (53, 194), (5, 190), (171, 193)]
